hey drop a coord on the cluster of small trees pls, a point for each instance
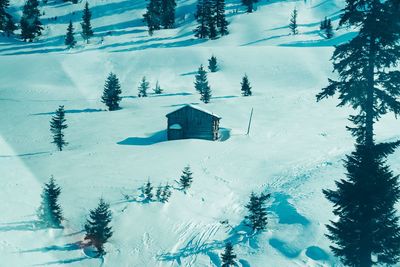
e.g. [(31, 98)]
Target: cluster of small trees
[(97, 226), (160, 14), (87, 31), (326, 27), (211, 19), (203, 88)]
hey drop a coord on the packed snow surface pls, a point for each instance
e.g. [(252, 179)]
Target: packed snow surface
[(294, 149)]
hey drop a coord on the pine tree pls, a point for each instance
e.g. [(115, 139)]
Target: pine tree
[(69, 37), (211, 18), (112, 91), (228, 257), (50, 212), (143, 87), (220, 19), (249, 4), (6, 20), (212, 64), (163, 193), (186, 179), (57, 127), (87, 31), (10, 26), (323, 24), (158, 90), (367, 226), (201, 85), (97, 227), (293, 23), (31, 26), (202, 31), (246, 88), (148, 191), (257, 214), (329, 29), (152, 17), (168, 13)]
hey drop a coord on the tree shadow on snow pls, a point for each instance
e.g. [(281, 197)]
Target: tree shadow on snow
[(58, 262), (20, 226), (86, 110), (285, 211), (66, 247), (157, 137)]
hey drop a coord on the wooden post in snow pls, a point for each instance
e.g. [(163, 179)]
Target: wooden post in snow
[(251, 116)]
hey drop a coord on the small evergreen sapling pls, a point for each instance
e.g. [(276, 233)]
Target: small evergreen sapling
[(329, 29), (87, 31), (246, 88), (186, 179), (257, 214), (69, 37), (111, 93), (57, 127), (158, 90), (97, 227), (143, 87), (293, 23), (228, 256), (163, 193), (148, 191), (50, 212), (212, 64)]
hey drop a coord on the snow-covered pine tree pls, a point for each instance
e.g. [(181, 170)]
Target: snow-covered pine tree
[(220, 19), (87, 31), (257, 213), (367, 231), (246, 88), (202, 30), (186, 179), (143, 87), (97, 226), (50, 212), (148, 191), (69, 37), (152, 17), (212, 64), (201, 85), (158, 90), (31, 26), (111, 93), (57, 127), (293, 23), (228, 256), (168, 13), (329, 29)]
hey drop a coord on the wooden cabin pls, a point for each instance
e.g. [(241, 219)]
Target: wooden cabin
[(192, 122)]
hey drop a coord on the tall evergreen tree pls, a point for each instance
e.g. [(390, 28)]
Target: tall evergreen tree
[(257, 213), (249, 4), (168, 13), (57, 127), (186, 179), (228, 256), (10, 26), (6, 21), (211, 18), (152, 17), (201, 85), (212, 64), (97, 227), (31, 26), (293, 23), (220, 19), (367, 225), (143, 87), (86, 25), (112, 91), (69, 37), (202, 31), (246, 88), (50, 212)]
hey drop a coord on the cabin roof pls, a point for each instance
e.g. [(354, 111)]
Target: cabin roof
[(197, 108)]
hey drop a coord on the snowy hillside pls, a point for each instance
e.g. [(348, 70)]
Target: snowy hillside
[(294, 150)]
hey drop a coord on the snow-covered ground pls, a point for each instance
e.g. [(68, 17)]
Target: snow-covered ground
[(294, 149)]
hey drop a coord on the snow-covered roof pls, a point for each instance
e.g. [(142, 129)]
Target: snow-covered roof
[(175, 126), (197, 108)]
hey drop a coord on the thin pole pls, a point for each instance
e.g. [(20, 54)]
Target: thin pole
[(251, 116)]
